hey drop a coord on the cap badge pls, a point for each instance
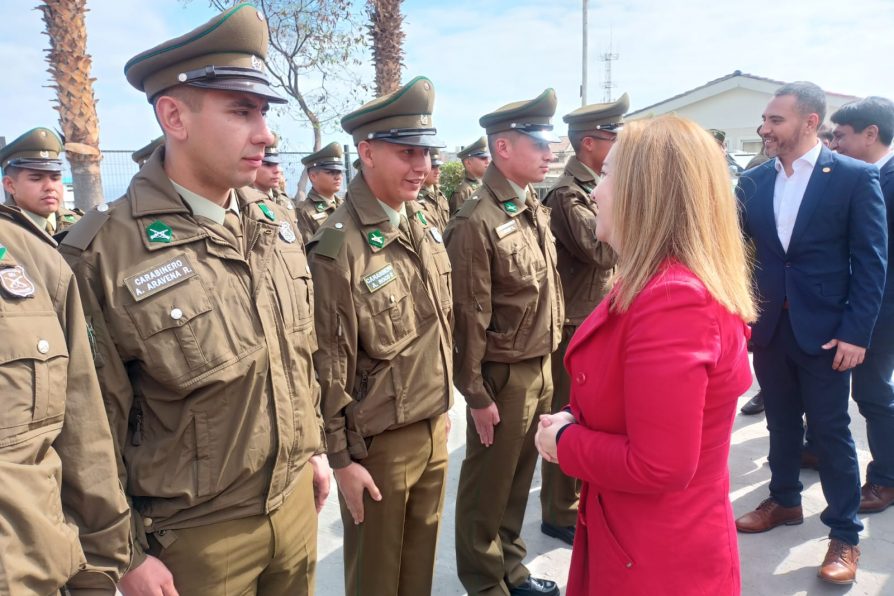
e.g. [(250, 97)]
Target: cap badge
[(257, 63), (159, 231), (421, 217), (286, 232), (376, 238), (15, 281), (510, 207), (266, 211), (45, 154), (424, 119)]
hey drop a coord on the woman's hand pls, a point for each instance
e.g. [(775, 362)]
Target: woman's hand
[(549, 427)]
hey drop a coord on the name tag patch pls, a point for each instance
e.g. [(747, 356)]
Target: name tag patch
[(506, 229), (161, 276), (319, 216), (380, 278)]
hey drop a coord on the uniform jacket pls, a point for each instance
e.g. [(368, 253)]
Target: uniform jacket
[(654, 392), (434, 204), (203, 354), (63, 517), (833, 273), (584, 262), (506, 291), (465, 189), (383, 316), (313, 213)]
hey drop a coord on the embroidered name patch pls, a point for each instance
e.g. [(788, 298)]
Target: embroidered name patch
[(319, 216), (380, 278), (161, 276), (506, 229)]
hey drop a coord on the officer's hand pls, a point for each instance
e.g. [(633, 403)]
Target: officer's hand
[(149, 578), (547, 430), (322, 474), (485, 421), (352, 481), (847, 356)]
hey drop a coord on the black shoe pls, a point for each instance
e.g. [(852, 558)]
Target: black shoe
[(534, 586), (754, 406), (563, 533)]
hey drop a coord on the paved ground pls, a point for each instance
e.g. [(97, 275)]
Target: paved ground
[(779, 563)]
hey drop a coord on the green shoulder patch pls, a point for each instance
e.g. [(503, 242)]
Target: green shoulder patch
[(468, 207), (82, 233), (327, 243)]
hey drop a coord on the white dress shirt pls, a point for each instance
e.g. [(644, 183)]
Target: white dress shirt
[(789, 192), (881, 163)]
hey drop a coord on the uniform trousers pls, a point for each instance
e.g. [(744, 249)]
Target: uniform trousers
[(794, 384), (494, 481), (559, 494), (392, 553), (264, 555)]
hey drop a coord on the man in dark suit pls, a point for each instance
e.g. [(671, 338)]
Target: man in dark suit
[(817, 221), (864, 130)]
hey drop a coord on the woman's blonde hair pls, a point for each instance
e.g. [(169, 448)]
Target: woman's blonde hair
[(673, 199)]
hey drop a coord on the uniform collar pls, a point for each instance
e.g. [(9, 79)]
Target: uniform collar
[(18, 215), (40, 221), (315, 197), (394, 215), (580, 170), (506, 191), (205, 207)]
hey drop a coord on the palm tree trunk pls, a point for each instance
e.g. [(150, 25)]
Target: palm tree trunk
[(386, 33), (70, 65)]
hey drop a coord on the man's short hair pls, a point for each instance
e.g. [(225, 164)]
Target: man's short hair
[(810, 99), (11, 171), (866, 112)]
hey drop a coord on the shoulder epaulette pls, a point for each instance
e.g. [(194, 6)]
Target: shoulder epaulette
[(468, 207), (82, 233), (327, 242)]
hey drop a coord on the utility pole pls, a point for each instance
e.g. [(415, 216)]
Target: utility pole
[(608, 58), (583, 78)]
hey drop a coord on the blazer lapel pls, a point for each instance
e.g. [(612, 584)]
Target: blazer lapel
[(816, 188), (763, 195)]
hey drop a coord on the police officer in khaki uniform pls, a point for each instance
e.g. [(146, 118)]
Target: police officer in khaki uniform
[(431, 199), (141, 155), (63, 517), (32, 179), (584, 265), (326, 169), (270, 179), (508, 304), (199, 293), (383, 313), (475, 158)]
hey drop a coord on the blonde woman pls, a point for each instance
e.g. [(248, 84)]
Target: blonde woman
[(656, 371)]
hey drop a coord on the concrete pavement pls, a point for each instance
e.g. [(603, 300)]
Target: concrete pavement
[(782, 562)]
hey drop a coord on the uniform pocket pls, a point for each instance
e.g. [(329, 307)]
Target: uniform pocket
[(298, 299), (442, 263), (33, 372), (387, 319)]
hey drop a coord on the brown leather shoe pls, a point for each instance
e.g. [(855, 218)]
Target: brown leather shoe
[(875, 498), (840, 564), (768, 515)]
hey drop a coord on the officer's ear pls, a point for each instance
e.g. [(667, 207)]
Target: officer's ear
[(9, 184), (173, 110), (364, 152)]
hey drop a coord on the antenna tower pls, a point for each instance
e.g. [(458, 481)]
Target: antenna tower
[(608, 57)]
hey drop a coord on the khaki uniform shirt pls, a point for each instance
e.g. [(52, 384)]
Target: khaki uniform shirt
[(383, 315), (281, 199), (434, 203), (506, 291), (63, 517), (204, 344), (462, 192), (584, 262), (313, 213)]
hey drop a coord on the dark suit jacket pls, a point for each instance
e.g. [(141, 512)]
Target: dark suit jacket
[(833, 273)]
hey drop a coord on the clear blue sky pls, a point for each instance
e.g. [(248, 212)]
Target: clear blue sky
[(484, 53)]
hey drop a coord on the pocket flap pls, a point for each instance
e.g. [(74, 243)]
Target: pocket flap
[(171, 309), (47, 339)]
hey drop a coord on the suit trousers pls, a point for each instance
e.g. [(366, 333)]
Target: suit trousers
[(263, 555), (559, 494), (392, 553), (495, 481), (795, 383)]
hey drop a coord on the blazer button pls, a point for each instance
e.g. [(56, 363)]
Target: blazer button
[(788, 265), (581, 378)]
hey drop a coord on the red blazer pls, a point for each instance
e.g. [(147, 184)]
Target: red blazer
[(654, 391)]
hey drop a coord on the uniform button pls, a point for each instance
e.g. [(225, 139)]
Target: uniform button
[(176, 314), (290, 206), (788, 265), (581, 378), (391, 298), (147, 522), (43, 346), (339, 226), (102, 207)]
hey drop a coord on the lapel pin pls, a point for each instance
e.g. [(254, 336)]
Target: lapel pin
[(826, 170)]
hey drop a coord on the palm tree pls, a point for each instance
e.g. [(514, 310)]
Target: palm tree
[(70, 67), (386, 33)]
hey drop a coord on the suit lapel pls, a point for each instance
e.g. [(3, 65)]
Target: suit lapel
[(816, 188), (765, 217)]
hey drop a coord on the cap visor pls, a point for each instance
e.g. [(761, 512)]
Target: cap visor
[(328, 166), (42, 166), (417, 141), (544, 136), (243, 85), (271, 159), (437, 163), (479, 154)]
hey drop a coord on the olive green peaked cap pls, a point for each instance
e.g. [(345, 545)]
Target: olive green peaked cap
[(227, 53), (402, 116), (37, 149), (271, 152), (141, 155), (330, 157), (436, 158), (598, 116), (476, 149), (531, 117)]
